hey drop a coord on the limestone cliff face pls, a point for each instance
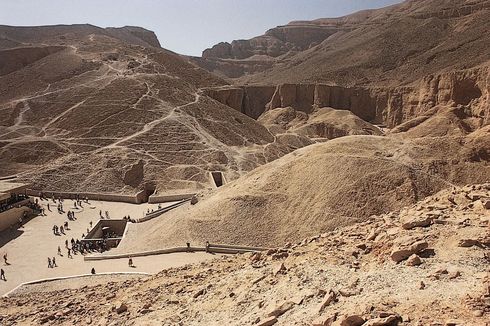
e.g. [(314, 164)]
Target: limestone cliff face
[(249, 100), (390, 106), (232, 68), (135, 35), (255, 100), (468, 88), (275, 42)]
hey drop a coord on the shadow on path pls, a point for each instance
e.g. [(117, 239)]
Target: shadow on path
[(8, 235)]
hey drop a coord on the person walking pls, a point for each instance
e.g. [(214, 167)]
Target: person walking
[(59, 250), (5, 259), (69, 253), (130, 262), (2, 274), (54, 262), (49, 263)]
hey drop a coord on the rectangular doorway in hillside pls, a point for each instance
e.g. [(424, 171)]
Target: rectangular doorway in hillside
[(217, 178)]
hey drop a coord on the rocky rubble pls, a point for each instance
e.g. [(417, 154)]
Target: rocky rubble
[(344, 277)]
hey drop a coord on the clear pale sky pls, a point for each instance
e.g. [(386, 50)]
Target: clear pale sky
[(183, 26)]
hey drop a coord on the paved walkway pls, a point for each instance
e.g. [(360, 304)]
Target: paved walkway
[(28, 248)]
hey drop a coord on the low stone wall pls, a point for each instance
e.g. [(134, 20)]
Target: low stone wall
[(139, 198), (220, 249), (154, 199), (10, 177), (51, 279), (161, 211), (136, 199), (11, 216)]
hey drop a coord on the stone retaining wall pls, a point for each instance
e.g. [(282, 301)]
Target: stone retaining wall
[(221, 249)]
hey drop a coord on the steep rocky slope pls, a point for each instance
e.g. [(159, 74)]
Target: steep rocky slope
[(107, 110), (426, 264)]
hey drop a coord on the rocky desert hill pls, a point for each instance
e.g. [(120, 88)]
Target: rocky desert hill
[(345, 144), (385, 47), (107, 110), (426, 264), (319, 188), (386, 65)]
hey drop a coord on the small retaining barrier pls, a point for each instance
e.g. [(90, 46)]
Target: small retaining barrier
[(212, 248), (138, 198), (51, 279), (161, 211), (154, 199), (133, 199)]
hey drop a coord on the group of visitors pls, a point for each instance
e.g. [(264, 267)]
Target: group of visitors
[(2, 272), (84, 247), (52, 262), (59, 230), (71, 215), (106, 214)]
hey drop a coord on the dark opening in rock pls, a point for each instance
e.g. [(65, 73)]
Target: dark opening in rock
[(465, 90), (217, 178)]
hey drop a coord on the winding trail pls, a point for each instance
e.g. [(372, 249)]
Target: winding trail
[(150, 125)]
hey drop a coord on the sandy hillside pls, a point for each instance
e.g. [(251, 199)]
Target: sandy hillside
[(319, 188)]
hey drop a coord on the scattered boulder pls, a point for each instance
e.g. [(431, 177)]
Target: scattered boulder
[(258, 279), (194, 200), (324, 321), (403, 251), (372, 235), (352, 320), (121, 307), (110, 296), (281, 309), (256, 256), (199, 293), (268, 321), (412, 221), (453, 323), (486, 204), (280, 269), (386, 321), (67, 311), (454, 275), (327, 300), (413, 260), (348, 292), (466, 243)]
